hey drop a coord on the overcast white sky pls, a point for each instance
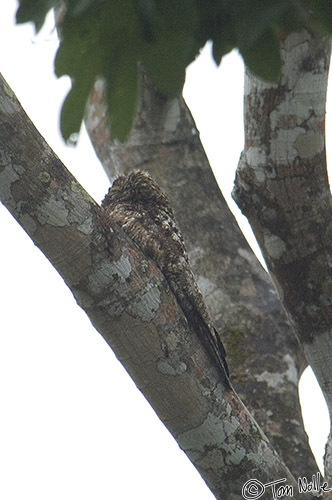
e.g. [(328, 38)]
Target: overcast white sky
[(72, 424)]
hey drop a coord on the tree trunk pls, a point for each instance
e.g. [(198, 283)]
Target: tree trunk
[(282, 187), (263, 354), (134, 310)]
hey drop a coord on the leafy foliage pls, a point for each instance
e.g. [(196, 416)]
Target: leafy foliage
[(34, 11), (110, 38)]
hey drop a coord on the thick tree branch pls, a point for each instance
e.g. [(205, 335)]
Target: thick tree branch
[(263, 354), (129, 303), (282, 187)]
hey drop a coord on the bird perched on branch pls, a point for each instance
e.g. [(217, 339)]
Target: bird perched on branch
[(144, 213)]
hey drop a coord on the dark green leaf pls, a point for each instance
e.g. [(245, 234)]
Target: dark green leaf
[(263, 57), (322, 15), (108, 38), (166, 62), (122, 98), (79, 6), (172, 43), (34, 11), (77, 56), (219, 50), (73, 108), (256, 17)]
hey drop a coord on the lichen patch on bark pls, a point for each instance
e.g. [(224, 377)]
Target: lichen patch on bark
[(120, 270), (53, 211), (7, 177), (146, 304), (274, 245)]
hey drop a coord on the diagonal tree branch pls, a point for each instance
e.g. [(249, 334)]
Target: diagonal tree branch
[(129, 303), (263, 354), (282, 187)]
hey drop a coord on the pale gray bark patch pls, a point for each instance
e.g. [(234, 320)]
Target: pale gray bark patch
[(119, 270), (7, 177), (291, 373), (6, 105), (146, 304), (167, 367), (53, 211), (274, 245), (86, 226), (277, 379), (308, 144), (173, 116), (212, 430), (77, 216)]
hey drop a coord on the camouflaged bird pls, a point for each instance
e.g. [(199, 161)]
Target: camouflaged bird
[(144, 213)]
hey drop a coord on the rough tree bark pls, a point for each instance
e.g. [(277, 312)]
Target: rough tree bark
[(282, 187), (129, 303), (264, 357), (131, 306)]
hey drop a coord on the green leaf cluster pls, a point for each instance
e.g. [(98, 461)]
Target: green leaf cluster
[(110, 38)]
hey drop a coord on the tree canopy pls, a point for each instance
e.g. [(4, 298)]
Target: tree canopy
[(111, 38)]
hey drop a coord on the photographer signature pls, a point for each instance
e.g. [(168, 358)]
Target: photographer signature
[(254, 489)]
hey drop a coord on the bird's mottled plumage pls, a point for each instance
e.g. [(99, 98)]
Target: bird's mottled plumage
[(143, 211)]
